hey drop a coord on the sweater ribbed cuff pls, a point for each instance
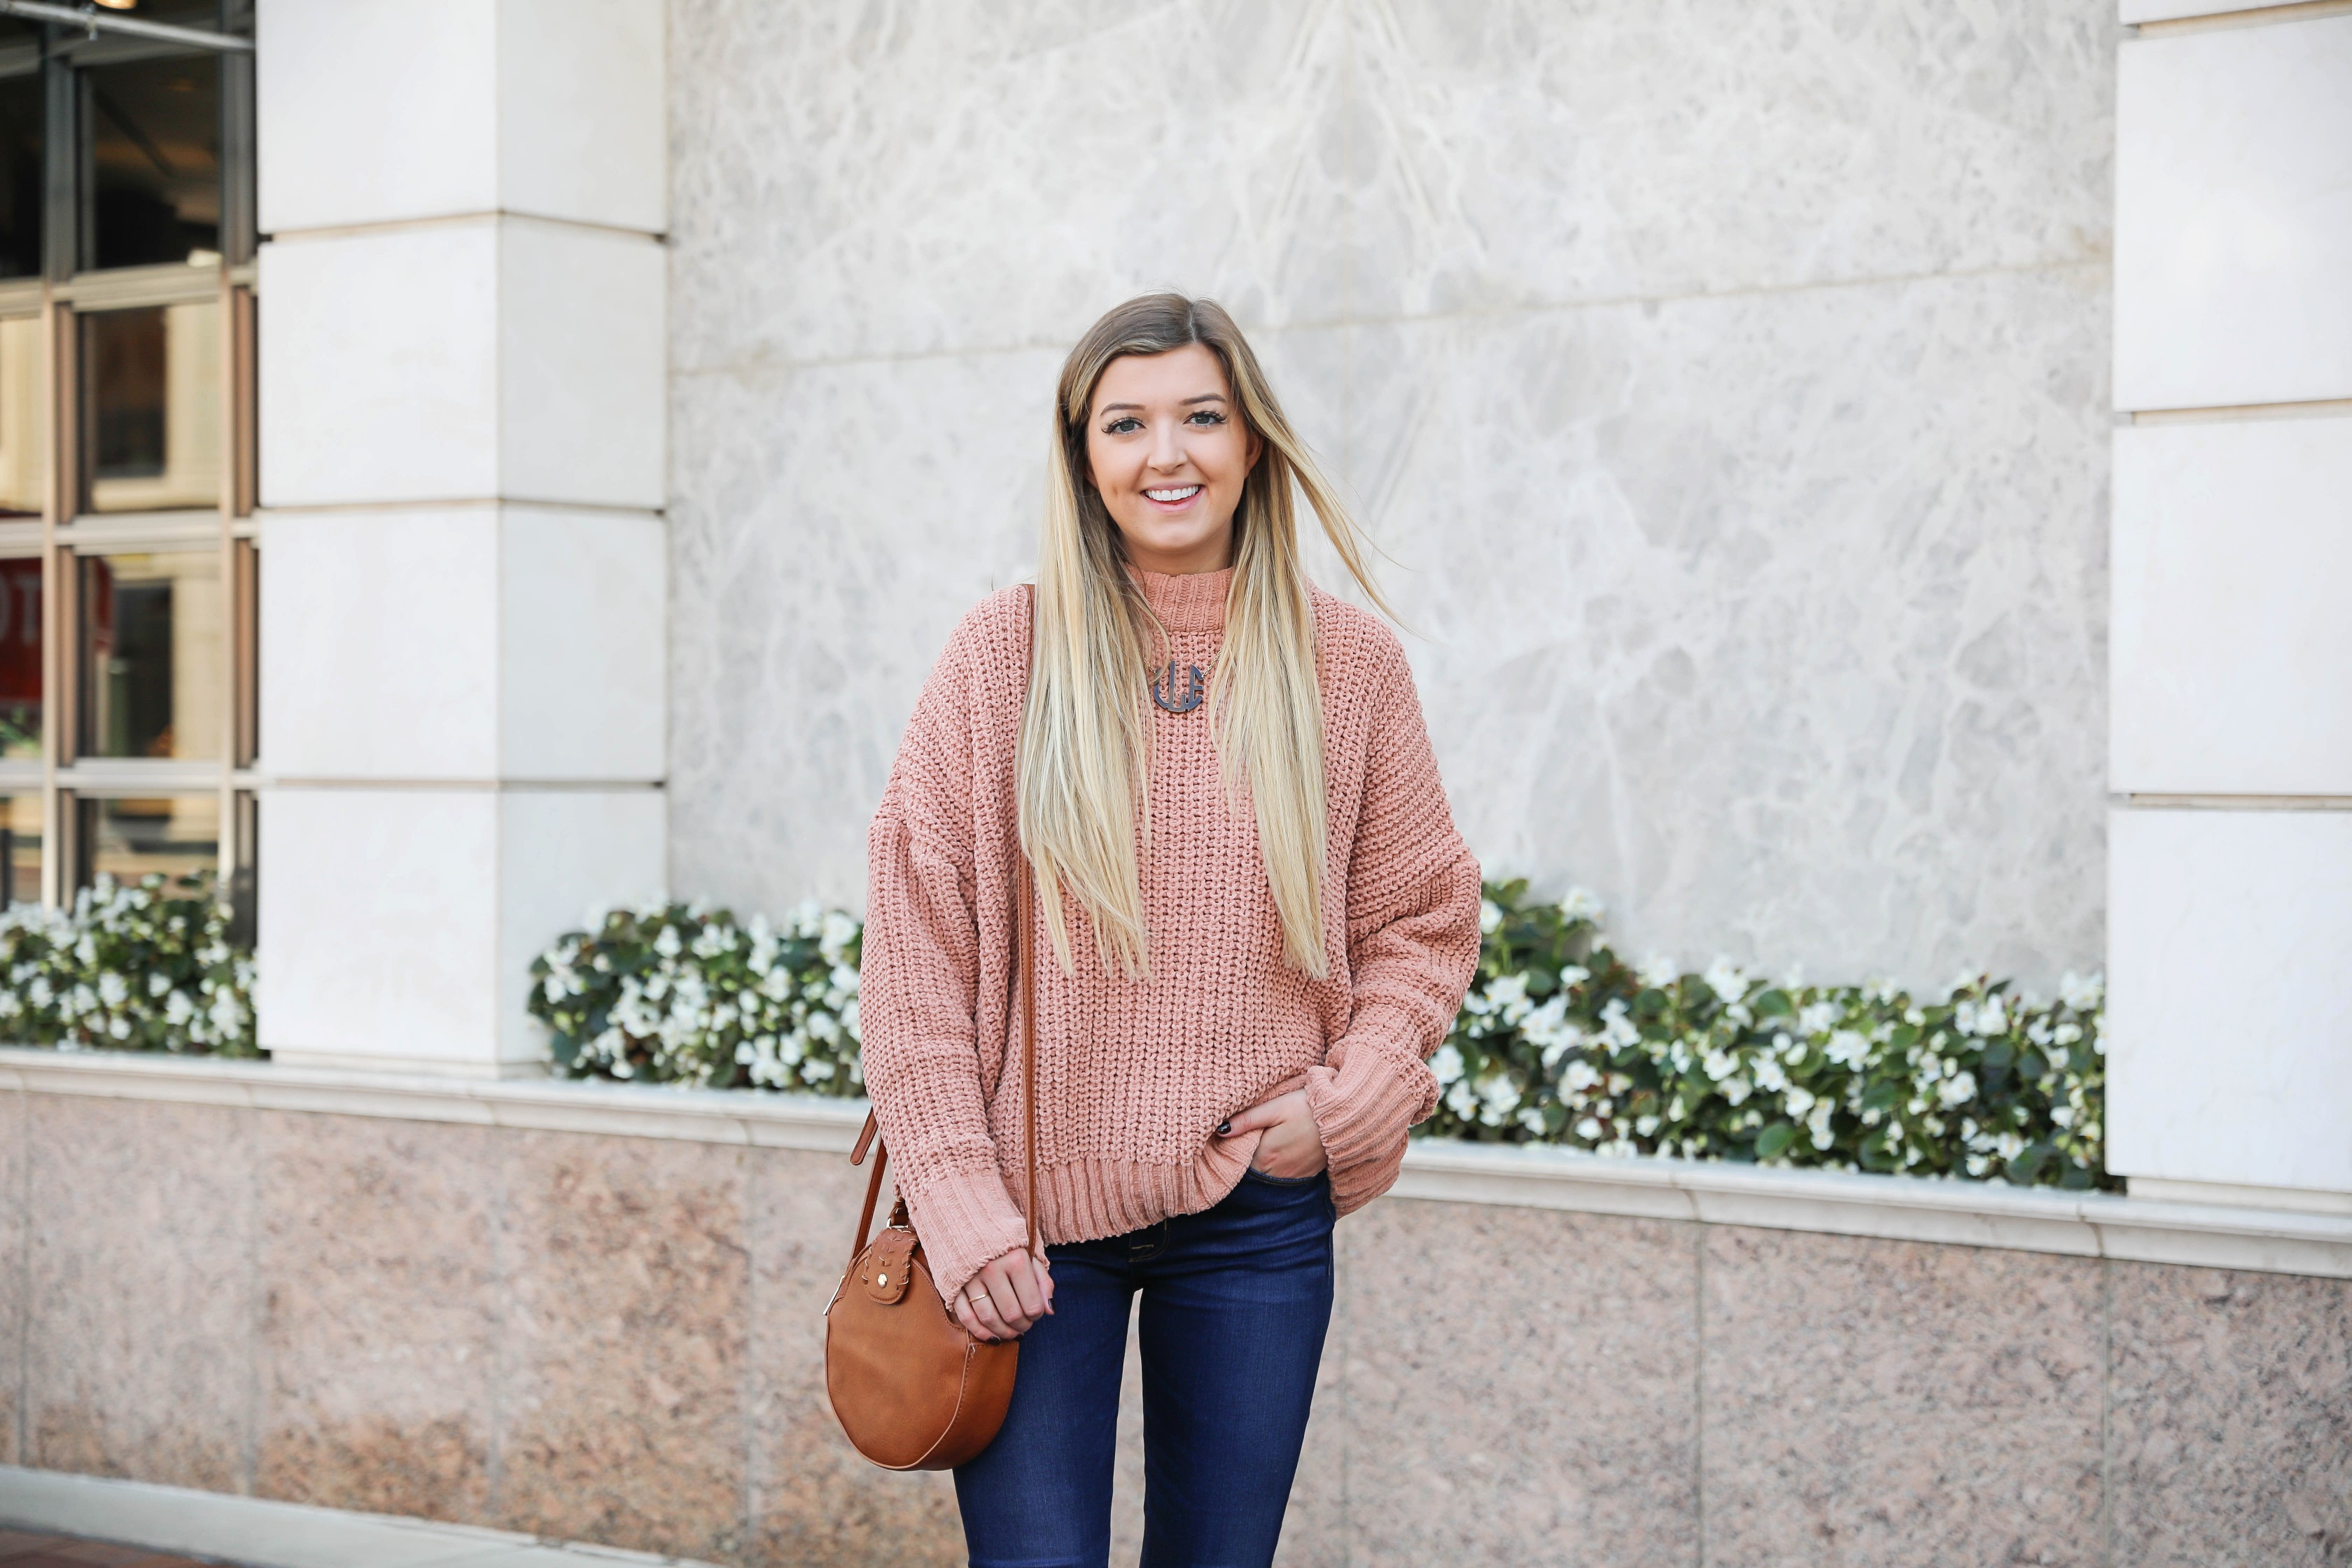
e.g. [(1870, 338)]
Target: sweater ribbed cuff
[(965, 1218), (1362, 1107)]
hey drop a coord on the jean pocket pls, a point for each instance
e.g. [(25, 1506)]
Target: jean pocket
[(1252, 1173)]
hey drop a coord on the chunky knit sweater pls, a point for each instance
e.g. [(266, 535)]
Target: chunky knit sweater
[(1133, 1076)]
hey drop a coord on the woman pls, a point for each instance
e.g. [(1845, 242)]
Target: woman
[(1254, 920)]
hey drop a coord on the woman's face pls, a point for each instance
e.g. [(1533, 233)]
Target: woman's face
[(1168, 452)]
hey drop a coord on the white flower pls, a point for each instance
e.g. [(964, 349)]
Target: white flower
[(1769, 1076), (1957, 1090), (1573, 975), (2082, 993), (1490, 917), (1800, 1099), (1816, 1018), (1737, 1090), (834, 936), (1581, 1076), (1848, 1048), (668, 943), (112, 989), (1659, 969), (1445, 1064), (1726, 979), (1587, 1129), (1581, 904)]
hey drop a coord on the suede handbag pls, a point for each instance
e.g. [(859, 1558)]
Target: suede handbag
[(911, 1385)]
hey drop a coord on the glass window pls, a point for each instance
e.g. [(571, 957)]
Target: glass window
[(20, 658), (150, 408), (152, 147), (23, 445), (127, 839), (20, 848), (155, 678), (20, 150)]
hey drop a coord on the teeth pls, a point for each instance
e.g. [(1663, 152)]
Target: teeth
[(1182, 493)]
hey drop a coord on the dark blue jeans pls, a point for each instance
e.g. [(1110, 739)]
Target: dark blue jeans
[(1235, 1303)]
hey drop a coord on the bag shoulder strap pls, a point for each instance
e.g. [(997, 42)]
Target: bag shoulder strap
[(1025, 949)]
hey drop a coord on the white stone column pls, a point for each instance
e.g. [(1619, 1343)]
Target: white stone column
[(2230, 845), (463, 568)]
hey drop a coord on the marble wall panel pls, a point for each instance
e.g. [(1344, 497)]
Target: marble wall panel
[(933, 178), (1828, 552), (376, 1250), (139, 1337), (624, 1350), (830, 527), (2230, 1436), (814, 1499), (1884, 1403), (1519, 1386), (1530, 152), (1779, 619)]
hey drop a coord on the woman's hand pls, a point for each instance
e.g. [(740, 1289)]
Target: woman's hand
[(1293, 1145), (1009, 1294)]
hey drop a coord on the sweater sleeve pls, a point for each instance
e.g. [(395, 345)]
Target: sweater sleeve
[(1413, 946), (918, 992)]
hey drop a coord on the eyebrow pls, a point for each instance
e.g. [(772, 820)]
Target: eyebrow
[(1138, 407)]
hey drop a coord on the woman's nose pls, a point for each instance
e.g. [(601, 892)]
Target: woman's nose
[(1167, 449)]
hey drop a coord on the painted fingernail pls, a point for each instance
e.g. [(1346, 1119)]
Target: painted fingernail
[(1226, 1126)]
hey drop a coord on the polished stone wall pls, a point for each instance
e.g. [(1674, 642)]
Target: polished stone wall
[(618, 1339), (1727, 382)]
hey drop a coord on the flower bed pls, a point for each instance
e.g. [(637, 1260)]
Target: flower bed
[(683, 994), (1559, 1041), (145, 967)]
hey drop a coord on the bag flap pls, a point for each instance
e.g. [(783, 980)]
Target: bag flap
[(888, 1266)]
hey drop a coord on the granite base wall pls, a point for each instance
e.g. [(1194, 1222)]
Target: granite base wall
[(618, 1339)]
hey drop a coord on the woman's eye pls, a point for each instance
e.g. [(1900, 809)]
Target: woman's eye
[(1207, 416), (1124, 426)]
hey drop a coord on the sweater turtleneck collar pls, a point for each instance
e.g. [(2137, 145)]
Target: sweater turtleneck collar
[(1194, 602)]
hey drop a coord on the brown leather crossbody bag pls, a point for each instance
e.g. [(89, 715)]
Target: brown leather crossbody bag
[(911, 1385)]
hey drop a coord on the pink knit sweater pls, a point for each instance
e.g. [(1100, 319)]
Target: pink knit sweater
[(1134, 1075)]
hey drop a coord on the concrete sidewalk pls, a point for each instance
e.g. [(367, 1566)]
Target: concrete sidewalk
[(258, 1534)]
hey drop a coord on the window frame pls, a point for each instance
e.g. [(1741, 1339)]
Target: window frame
[(64, 292)]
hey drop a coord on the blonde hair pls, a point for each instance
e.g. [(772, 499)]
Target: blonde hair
[(1084, 758)]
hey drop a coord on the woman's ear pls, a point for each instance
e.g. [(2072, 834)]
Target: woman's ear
[(1255, 449)]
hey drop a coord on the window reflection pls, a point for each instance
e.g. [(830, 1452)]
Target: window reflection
[(24, 451), (150, 408), (128, 839), (20, 848), (20, 150), (154, 680), (20, 658), (153, 171)]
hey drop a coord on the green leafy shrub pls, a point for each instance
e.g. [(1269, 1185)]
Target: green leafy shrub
[(147, 967), (1562, 1041), (1559, 1041), (683, 994)]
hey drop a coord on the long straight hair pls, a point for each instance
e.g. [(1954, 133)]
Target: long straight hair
[(1084, 758)]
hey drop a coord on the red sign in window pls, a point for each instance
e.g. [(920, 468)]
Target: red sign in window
[(20, 632)]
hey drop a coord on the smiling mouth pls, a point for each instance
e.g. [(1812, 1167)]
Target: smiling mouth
[(1175, 497)]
